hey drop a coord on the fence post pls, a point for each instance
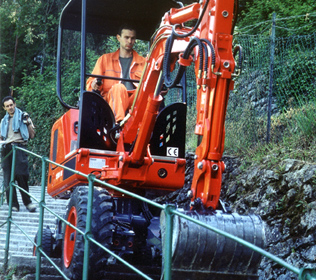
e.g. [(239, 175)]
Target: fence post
[(271, 76), (85, 272), (41, 221), (7, 240), (168, 241)]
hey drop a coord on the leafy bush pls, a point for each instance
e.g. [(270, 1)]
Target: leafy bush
[(37, 96)]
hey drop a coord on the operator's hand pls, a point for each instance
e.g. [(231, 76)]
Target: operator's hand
[(96, 84)]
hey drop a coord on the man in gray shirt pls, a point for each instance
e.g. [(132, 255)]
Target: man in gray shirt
[(16, 129)]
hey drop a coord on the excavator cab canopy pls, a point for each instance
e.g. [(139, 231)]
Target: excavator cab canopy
[(105, 17)]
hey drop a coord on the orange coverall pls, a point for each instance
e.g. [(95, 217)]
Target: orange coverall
[(114, 92)]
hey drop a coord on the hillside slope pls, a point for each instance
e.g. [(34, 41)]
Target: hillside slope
[(284, 196)]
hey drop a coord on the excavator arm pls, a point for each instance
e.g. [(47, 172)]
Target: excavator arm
[(209, 46)]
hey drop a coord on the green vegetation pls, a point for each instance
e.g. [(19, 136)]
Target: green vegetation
[(9, 274), (253, 15), (28, 36), (292, 136)]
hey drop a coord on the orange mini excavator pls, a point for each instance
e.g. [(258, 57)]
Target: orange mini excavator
[(145, 152)]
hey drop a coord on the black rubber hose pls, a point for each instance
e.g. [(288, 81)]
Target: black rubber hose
[(196, 25), (212, 50), (166, 61), (166, 65), (193, 43), (205, 57), (169, 43)]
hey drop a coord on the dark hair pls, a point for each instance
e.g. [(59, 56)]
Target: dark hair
[(7, 98), (126, 26)]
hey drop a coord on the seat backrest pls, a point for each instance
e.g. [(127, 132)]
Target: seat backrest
[(168, 138), (95, 121)]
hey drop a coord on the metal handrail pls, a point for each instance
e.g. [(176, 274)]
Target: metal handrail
[(2, 186), (169, 209)]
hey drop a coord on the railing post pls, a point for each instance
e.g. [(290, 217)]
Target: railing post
[(169, 212), (2, 193), (7, 240), (168, 241), (85, 272), (41, 221), (307, 274)]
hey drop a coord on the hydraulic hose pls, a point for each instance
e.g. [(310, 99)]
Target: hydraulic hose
[(194, 42), (196, 25), (166, 63), (212, 49)]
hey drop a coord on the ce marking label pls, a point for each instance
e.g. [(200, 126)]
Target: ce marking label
[(172, 152)]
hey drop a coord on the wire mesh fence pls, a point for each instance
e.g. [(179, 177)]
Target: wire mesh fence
[(283, 65), (285, 60)]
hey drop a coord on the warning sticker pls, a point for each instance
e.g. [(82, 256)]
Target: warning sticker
[(96, 163), (172, 152)]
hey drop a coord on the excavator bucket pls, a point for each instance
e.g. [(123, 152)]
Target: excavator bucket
[(199, 253)]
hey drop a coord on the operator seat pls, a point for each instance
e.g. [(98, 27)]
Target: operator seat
[(96, 119)]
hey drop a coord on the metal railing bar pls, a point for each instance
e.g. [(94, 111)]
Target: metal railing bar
[(85, 272), (23, 231), (131, 194), (27, 151), (241, 241), (118, 258), (68, 168), (304, 273), (52, 263), (168, 241), (109, 185), (41, 221), (23, 190), (3, 224)]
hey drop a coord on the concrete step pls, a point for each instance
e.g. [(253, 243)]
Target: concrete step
[(20, 245), (23, 264)]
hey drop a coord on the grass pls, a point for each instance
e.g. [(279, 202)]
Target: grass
[(292, 135), (7, 275)]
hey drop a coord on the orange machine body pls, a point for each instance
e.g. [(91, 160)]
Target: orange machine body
[(138, 169), (105, 164)]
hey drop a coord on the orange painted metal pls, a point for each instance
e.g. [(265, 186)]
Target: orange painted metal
[(140, 170), (178, 16), (63, 147), (114, 167), (216, 26)]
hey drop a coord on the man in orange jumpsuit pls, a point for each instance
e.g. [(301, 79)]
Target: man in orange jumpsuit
[(124, 63)]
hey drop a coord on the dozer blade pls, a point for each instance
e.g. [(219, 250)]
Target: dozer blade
[(199, 253)]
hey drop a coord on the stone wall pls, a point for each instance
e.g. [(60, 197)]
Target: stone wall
[(284, 196)]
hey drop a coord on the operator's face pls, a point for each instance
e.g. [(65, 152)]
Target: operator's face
[(9, 106), (127, 39)]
